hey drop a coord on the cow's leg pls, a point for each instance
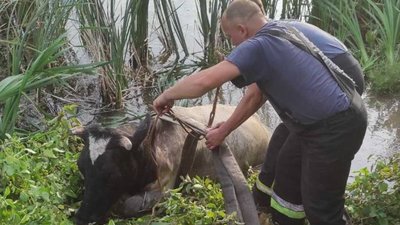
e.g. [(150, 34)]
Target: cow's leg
[(138, 205)]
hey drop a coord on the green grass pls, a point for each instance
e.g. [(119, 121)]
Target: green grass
[(386, 17), (385, 79), (374, 197), (39, 183)]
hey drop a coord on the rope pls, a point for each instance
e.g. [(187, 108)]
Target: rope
[(185, 125), (149, 141), (212, 113), (220, 57)]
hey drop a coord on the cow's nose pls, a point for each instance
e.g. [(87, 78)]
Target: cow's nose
[(96, 220), (80, 222)]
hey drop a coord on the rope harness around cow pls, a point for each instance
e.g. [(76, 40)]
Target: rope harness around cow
[(237, 196)]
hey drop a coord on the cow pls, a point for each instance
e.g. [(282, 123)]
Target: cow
[(116, 163)]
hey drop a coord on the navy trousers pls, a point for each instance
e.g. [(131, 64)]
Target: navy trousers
[(297, 153), (310, 170)]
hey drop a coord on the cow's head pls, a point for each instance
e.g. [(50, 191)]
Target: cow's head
[(112, 164)]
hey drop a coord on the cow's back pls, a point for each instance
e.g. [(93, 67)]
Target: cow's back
[(248, 142)]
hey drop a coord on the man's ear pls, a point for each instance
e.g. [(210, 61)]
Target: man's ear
[(243, 29)]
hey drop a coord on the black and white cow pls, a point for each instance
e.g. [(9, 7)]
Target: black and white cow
[(115, 163)]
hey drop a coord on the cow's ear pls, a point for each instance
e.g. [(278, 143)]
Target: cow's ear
[(141, 132), (125, 143), (78, 131)]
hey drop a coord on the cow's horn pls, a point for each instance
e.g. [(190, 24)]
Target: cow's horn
[(126, 143), (78, 131)]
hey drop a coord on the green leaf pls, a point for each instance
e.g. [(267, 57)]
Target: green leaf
[(49, 153), (211, 214), (383, 187), (23, 196), (197, 186), (6, 192), (30, 150), (58, 150), (111, 222), (25, 219), (10, 170)]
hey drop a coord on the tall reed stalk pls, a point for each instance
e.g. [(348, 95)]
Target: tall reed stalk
[(139, 35), (270, 7), (289, 9), (210, 27), (171, 30), (110, 36)]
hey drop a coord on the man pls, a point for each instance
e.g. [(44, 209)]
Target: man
[(321, 118), (338, 53)]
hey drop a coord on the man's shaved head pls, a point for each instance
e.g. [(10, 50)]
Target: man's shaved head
[(241, 20), (241, 11), (260, 4)]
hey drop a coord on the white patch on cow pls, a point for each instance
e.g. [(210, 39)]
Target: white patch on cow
[(97, 147)]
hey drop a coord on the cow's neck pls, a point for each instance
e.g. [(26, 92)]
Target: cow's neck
[(147, 166)]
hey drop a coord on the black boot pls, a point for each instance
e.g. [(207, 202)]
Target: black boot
[(347, 218), (262, 200)]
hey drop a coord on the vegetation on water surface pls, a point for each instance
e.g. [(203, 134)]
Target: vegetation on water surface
[(39, 182)]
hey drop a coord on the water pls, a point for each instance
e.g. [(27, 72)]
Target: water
[(382, 137), (383, 134)]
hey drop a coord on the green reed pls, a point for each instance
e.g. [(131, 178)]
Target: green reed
[(343, 15), (118, 38), (172, 35), (386, 17), (139, 15), (290, 9)]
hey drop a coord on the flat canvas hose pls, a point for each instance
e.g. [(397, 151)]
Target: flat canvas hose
[(237, 195)]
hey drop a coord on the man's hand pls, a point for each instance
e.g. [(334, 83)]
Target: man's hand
[(162, 104), (216, 135)]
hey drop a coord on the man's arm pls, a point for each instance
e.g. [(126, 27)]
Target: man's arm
[(196, 85), (249, 104)]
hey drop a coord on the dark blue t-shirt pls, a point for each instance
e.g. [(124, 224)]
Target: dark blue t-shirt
[(297, 82), (327, 43)]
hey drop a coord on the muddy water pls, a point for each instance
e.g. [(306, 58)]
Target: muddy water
[(383, 133)]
